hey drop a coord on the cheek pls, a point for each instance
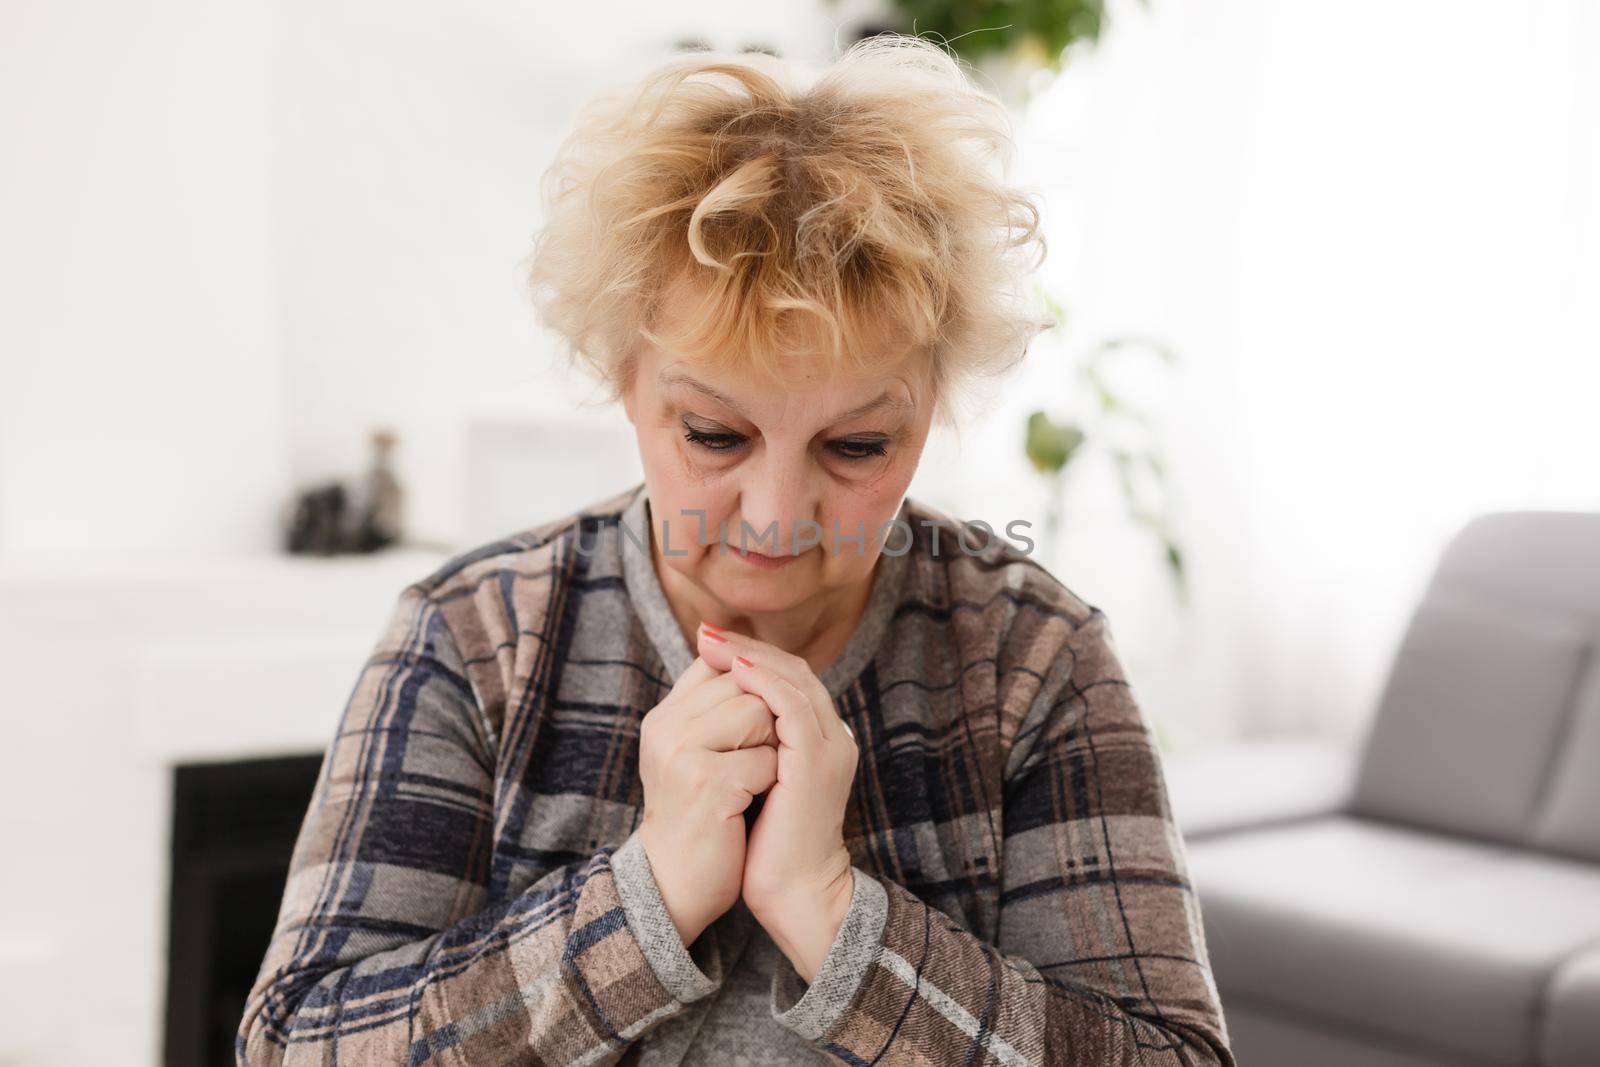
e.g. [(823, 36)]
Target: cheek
[(867, 512), (686, 515)]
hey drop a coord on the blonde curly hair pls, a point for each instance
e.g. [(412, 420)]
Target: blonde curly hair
[(810, 209)]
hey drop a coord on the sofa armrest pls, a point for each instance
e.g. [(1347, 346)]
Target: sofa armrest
[(1571, 1030), (1262, 781)]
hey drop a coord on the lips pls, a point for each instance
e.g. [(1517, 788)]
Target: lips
[(760, 559)]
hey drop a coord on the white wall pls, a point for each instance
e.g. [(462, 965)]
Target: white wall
[(411, 143), (1374, 240), (239, 236), (140, 397)]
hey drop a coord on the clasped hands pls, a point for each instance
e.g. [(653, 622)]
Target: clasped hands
[(748, 718)]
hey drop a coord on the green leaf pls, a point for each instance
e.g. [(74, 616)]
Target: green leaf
[(1050, 445)]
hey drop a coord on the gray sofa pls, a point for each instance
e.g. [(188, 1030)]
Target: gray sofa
[(1442, 904)]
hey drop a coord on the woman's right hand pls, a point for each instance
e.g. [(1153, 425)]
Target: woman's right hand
[(705, 752)]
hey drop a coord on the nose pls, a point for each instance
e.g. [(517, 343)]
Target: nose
[(778, 505)]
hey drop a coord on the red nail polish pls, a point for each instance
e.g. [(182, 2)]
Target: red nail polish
[(712, 635), (713, 627), (742, 661)]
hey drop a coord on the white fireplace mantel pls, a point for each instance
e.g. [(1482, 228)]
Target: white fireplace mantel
[(115, 670)]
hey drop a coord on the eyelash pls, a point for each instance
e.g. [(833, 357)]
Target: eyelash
[(870, 449)]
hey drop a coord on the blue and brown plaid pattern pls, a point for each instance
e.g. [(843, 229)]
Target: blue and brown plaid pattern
[(466, 885)]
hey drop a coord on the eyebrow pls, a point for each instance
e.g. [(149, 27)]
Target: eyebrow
[(670, 378)]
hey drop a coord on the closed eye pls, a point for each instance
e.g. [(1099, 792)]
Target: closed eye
[(845, 448), (849, 449), (716, 442)]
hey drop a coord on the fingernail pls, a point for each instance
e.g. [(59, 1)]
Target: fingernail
[(742, 661), (712, 635)]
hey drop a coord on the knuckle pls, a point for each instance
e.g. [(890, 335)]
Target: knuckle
[(652, 724)]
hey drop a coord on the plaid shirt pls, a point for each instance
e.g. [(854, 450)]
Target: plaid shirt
[(468, 886)]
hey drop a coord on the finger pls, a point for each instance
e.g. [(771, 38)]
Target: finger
[(798, 673), (754, 770), (797, 720), (679, 704), (742, 722), (696, 674), (719, 690)]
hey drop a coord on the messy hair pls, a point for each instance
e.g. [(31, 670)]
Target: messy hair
[(827, 210)]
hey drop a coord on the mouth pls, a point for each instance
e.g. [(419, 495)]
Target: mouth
[(756, 559)]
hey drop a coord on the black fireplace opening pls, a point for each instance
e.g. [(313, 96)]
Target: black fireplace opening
[(234, 826)]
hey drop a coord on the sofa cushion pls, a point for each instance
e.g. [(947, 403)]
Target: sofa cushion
[(1477, 702), (1441, 943), (1265, 1038)]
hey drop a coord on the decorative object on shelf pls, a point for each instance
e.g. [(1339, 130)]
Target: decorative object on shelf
[(334, 518), (382, 506), (1126, 435)]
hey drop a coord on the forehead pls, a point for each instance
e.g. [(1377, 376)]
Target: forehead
[(844, 400), (806, 362)]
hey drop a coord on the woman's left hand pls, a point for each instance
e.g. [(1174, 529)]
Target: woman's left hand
[(797, 873)]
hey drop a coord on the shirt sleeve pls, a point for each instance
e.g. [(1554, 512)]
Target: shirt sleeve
[(1100, 956), (387, 948)]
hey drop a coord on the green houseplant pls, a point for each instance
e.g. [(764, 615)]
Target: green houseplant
[(1117, 428), (981, 29)]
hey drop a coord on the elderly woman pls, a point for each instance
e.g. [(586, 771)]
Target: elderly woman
[(758, 760)]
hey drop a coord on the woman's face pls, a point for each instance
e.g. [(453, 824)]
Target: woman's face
[(728, 456)]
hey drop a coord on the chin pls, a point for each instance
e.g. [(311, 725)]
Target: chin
[(742, 587)]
